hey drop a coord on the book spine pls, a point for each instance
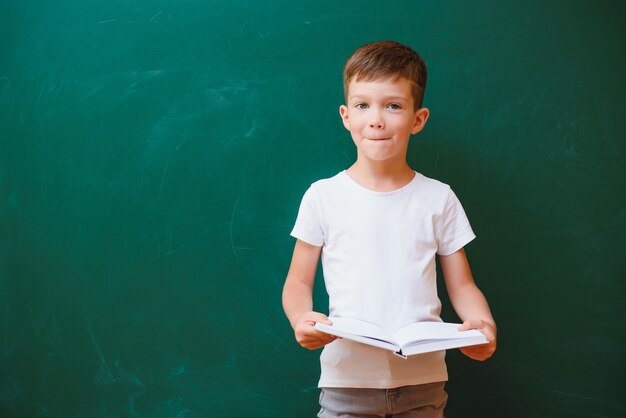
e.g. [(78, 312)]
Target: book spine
[(400, 354)]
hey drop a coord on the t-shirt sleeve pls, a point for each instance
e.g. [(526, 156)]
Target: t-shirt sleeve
[(308, 226), (454, 230)]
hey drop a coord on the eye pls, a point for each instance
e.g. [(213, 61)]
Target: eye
[(394, 106), (361, 105)]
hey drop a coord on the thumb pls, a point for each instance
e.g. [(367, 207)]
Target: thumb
[(320, 317), (470, 324)]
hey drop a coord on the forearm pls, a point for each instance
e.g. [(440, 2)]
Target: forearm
[(298, 297), (298, 305), (297, 300), (470, 303)]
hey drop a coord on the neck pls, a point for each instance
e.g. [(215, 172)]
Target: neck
[(381, 176)]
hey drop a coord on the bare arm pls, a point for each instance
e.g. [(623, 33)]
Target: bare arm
[(469, 303), (298, 297)]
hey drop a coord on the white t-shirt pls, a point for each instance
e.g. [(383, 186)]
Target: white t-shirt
[(378, 259)]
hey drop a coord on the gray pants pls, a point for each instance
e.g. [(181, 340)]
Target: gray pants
[(419, 401)]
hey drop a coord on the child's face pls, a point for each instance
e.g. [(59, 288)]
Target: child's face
[(380, 117)]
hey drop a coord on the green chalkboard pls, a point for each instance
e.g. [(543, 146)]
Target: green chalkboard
[(152, 159)]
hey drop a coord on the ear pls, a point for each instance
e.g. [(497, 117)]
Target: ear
[(343, 112), (421, 116)]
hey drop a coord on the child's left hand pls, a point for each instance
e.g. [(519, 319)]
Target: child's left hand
[(484, 351)]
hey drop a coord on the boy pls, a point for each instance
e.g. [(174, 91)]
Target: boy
[(377, 227)]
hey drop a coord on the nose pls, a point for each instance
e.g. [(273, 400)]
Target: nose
[(376, 121)]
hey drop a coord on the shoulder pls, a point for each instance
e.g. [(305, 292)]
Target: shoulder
[(432, 189), (431, 182), (328, 185), (322, 191)]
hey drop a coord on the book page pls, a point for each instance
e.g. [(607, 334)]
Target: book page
[(362, 329), (427, 331)]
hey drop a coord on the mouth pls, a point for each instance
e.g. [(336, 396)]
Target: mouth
[(378, 139)]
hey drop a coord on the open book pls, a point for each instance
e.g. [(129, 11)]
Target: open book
[(417, 338)]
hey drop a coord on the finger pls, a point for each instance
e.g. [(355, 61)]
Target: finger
[(471, 324), (484, 327), (315, 343), (489, 334), (473, 354), (316, 335), (479, 352), (327, 338), (324, 321), (318, 317)]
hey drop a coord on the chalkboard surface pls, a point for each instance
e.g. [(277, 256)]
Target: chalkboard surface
[(153, 155)]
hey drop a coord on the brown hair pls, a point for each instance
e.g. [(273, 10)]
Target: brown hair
[(387, 59)]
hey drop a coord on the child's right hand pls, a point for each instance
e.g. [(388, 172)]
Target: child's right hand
[(307, 335)]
